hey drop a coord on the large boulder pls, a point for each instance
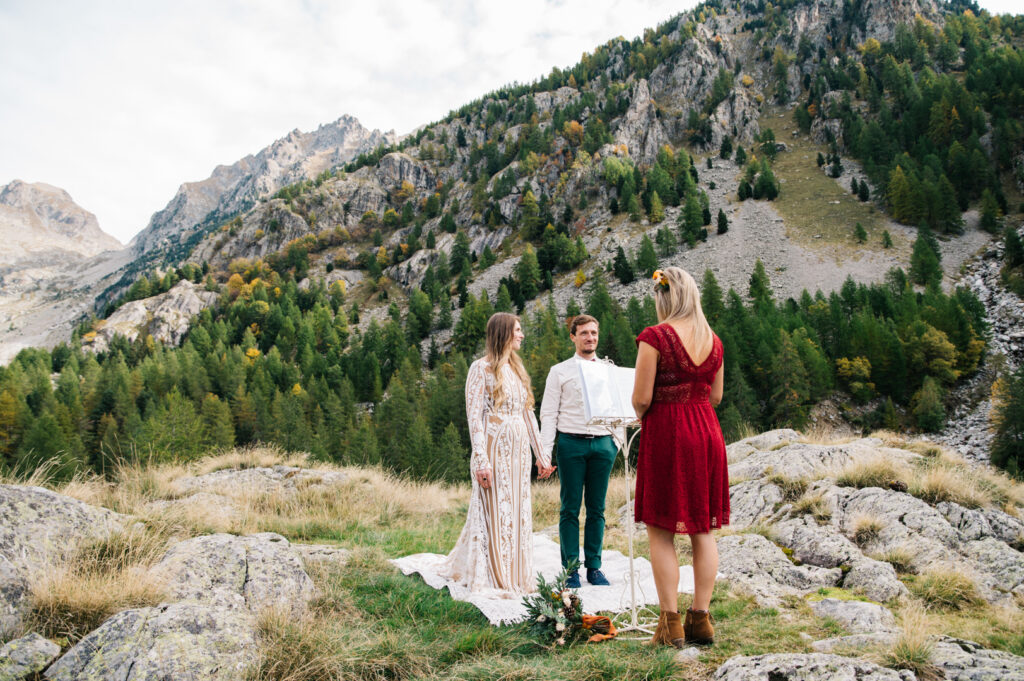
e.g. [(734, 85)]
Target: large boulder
[(185, 640), (26, 656), (760, 567), (968, 661), (259, 572), (857, 617), (803, 667), (259, 480), (37, 529)]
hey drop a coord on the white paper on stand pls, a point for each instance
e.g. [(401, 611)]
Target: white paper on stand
[(607, 391)]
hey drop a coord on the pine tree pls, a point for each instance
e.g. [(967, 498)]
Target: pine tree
[(1008, 445), (691, 219), (760, 289), (925, 268), (741, 157), (791, 387), (860, 234), (854, 186), (927, 408), (1013, 252), (218, 431), (886, 239), (528, 274), (990, 212), (657, 212), (633, 207), (622, 268), (723, 222), (711, 298), (863, 192), (647, 259), (725, 150)]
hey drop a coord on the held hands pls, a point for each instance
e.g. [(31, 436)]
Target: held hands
[(545, 473)]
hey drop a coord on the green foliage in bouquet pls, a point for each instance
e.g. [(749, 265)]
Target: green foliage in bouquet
[(554, 614)]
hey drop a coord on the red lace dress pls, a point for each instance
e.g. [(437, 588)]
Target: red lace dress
[(682, 477)]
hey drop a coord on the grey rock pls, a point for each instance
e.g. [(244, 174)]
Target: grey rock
[(687, 655), (165, 317), (753, 501), (875, 579), (757, 565), (800, 460), (260, 571), (740, 449), (38, 528), (982, 522), (967, 661), (322, 553), (261, 479), (856, 617), (28, 655), (177, 641), (1002, 565), (639, 128), (224, 507), (831, 645), (803, 667)]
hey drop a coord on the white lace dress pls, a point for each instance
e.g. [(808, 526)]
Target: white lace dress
[(494, 553)]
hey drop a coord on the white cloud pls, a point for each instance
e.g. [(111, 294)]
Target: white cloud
[(120, 102)]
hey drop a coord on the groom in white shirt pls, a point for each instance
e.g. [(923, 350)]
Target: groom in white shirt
[(585, 454)]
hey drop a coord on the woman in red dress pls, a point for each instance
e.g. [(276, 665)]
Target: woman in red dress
[(682, 477)]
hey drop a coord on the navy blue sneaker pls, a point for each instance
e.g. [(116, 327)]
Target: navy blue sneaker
[(574, 580), (596, 577)]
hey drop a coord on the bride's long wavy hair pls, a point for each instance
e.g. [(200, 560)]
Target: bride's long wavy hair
[(501, 328), (681, 300)]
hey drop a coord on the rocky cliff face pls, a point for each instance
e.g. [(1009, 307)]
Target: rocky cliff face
[(230, 189), (42, 224)]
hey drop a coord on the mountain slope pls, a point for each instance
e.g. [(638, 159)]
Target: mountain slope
[(233, 188)]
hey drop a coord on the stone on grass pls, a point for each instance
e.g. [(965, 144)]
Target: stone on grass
[(261, 480), (857, 617), (760, 567), (176, 641), (968, 661), (260, 571), (881, 639), (804, 667), (26, 656)]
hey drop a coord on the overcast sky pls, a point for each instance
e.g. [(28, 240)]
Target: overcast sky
[(119, 102)]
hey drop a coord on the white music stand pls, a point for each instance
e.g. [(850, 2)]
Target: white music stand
[(608, 402)]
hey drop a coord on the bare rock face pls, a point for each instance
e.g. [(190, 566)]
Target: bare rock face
[(856, 616), (398, 167), (968, 661), (185, 640), (759, 566), (260, 480), (37, 528), (40, 222), (26, 656), (258, 572), (231, 189), (165, 317), (798, 666), (639, 129)]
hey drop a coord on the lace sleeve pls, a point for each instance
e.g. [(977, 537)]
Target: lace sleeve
[(543, 457), (477, 407)]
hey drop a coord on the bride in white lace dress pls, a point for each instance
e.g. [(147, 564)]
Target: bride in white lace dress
[(494, 553)]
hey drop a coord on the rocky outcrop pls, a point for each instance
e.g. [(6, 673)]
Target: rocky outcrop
[(260, 480), (857, 617), (760, 567), (259, 572), (185, 640), (983, 541), (40, 223), (165, 317), (797, 667), (38, 528), (967, 661), (639, 128), (397, 167), (26, 656), (231, 189)]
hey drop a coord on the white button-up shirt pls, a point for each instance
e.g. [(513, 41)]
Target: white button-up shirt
[(561, 410)]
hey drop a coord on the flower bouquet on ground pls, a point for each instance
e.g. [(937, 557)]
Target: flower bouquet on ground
[(555, 613)]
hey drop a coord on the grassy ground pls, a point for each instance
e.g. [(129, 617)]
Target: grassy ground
[(371, 622), (807, 200)]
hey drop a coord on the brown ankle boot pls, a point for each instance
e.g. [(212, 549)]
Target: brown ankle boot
[(675, 629), (661, 633), (699, 628)]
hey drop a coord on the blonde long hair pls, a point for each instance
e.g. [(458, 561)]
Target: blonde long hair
[(681, 300), (501, 328)]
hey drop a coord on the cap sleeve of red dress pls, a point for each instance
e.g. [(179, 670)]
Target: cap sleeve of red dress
[(719, 350), (651, 337)]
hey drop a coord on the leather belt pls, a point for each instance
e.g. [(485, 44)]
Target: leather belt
[(582, 436)]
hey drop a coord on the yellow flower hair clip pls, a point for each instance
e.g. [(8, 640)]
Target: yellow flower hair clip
[(662, 280)]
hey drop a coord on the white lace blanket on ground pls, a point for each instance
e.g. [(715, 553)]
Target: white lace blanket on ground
[(501, 608)]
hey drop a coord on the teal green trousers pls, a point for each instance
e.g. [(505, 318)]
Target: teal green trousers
[(584, 466)]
